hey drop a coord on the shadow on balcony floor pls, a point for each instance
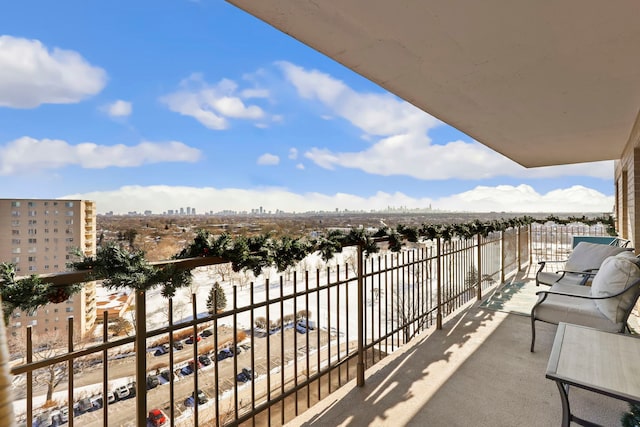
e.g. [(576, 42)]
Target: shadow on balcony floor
[(476, 371)]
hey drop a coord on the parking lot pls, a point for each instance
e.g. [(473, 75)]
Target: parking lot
[(159, 397)]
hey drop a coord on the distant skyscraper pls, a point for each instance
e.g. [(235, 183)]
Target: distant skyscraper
[(38, 236)]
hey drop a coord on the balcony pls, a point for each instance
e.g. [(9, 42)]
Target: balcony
[(408, 327)]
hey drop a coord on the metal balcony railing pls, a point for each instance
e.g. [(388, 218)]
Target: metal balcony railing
[(277, 347)]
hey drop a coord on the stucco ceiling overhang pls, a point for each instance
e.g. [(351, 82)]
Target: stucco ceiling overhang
[(542, 82)]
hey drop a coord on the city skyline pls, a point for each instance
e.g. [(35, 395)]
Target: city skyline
[(198, 104)]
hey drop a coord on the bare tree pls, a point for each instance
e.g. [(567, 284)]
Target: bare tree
[(120, 326), (54, 344)]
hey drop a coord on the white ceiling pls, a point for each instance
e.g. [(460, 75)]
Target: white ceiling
[(542, 82)]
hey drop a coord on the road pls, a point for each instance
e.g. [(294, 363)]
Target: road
[(121, 413)]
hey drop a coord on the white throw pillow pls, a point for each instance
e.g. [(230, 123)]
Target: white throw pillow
[(615, 274), (588, 255)]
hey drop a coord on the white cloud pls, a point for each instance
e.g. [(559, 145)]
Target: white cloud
[(255, 93), (118, 108), (31, 74), (415, 156), (379, 114), (211, 105), (397, 140), (27, 154), (293, 153), (300, 166), (522, 198), (268, 159)]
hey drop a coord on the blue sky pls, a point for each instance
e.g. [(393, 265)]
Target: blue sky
[(160, 105)]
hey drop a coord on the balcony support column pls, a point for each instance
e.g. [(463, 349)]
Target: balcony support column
[(141, 358), (360, 364)]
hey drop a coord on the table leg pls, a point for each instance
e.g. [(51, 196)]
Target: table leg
[(564, 397)]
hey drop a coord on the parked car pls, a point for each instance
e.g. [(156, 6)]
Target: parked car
[(152, 382), (190, 339), (206, 333), (96, 403), (224, 354), (202, 399), (308, 324), (246, 375), (42, 420), (187, 370), (300, 328), (204, 359), (160, 351), (81, 406), (132, 388), (157, 418), (178, 345), (59, 417), (192, 365), (122, 392), (166, 374)]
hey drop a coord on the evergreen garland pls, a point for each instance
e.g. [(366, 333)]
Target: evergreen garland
[(119, 268), (28, 293)]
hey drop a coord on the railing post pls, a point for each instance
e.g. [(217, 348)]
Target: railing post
[(479, 261), (439, 285), (518, 247), (530, 240), (141, 358), (502, 257), (360, 364)]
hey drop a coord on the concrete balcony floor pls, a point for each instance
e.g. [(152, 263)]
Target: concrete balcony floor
[(476, 371)]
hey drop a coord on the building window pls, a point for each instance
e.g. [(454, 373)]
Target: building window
[(55, 310), (34, 322), (32, 213), (15, 241), (15, 260), (32, 240), (46, 266), (33, 222), (55, 267), (15, 204), (55, 230), (15, 250), (15, 223), (32, 231), (55, 203), (15, 213), (68, 231), (69, 222), (69, 309), (32, 259), (46, 240), (69, 239), (15, 232), (31, 204), (32, 268), (69, 213), (69, 204), (32, 250), (18, 324)]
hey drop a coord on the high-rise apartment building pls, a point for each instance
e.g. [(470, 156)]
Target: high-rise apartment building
[(39, 236)]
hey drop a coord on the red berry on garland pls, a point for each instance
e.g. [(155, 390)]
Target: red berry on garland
[(205, 251), (58, 295)]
